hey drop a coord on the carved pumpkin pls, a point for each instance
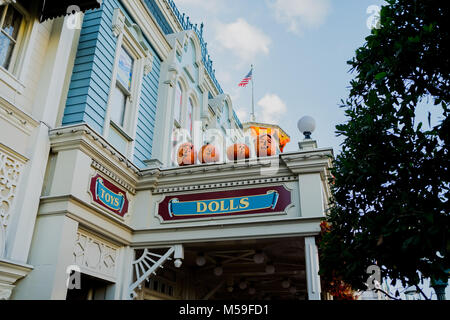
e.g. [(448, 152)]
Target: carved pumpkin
[(238, 151), (186, 154), (265, 145), (208, 153)]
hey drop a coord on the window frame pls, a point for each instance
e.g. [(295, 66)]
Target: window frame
[(127, 92), (179, 121), (17, 58)]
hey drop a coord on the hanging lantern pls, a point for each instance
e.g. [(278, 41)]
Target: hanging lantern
[(208, 153), (186, 154), (265, 145), (238, 151)]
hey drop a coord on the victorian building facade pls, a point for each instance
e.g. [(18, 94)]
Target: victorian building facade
[(94, 107)]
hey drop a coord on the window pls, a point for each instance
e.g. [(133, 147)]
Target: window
[(122, 89), (178, 103), (118, 105), (125, 69), (11, 21), (133, 61), (120, 101), (225, 117), (190, 116)]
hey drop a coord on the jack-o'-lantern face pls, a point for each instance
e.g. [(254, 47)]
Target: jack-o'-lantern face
[(265, 145), (208, 153), (238, 151), (186, 154)]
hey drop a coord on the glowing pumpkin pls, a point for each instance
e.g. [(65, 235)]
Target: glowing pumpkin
[(208, 153), (238, 151), (265, 145), (186, 154)]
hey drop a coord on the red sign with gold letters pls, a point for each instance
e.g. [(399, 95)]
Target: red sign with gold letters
[(225, 203), (108, 195)]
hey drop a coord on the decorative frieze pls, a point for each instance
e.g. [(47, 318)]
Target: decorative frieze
[(112, 175), (10, 170), (95, 255), (225, 184)]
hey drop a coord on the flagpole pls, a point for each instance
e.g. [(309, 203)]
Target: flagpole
[(252, 117)]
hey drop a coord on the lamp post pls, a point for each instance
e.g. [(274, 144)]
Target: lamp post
[(306, 125)]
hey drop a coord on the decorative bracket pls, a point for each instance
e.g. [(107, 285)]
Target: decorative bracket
[(149, 262), (118, 22), (148, 62)]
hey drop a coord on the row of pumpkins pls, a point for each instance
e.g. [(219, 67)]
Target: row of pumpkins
[(187, 155)]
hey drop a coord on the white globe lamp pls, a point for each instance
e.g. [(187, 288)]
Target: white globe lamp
[(306, 125)]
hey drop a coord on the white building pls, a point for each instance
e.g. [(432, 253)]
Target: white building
[(92, 203)]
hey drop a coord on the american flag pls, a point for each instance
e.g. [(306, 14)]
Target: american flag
[(247, 78)]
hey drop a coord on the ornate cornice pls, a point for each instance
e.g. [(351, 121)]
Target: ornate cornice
[(81, 136), (250, 182), (101, 168), (18, 118), (316, 160)]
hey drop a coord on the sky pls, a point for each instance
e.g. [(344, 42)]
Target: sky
[(299, 49)]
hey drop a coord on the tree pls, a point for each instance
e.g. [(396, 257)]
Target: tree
[(390, 203)]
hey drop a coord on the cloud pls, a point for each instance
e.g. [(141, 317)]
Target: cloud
[(242, 39), (300, 14), (224, 76), (242, 114), (272, 108)]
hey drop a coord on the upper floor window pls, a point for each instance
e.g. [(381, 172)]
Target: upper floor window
[(178, 103), (190, 116), (131, 64), (225, 117), (11, 21), (122, 89)]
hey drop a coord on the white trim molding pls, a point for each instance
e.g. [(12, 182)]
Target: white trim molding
[(16, 117), (10, 272)]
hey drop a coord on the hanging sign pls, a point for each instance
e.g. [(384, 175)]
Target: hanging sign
[(225, 203), (108, 195)]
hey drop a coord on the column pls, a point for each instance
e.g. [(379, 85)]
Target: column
[(312, 268), (51, 254)]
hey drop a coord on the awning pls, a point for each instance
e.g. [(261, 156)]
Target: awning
[(56, 8)]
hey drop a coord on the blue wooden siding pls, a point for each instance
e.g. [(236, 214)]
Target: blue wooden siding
[(91, 78)]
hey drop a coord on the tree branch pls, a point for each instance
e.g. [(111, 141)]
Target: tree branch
[(387, 294), (423, 293)]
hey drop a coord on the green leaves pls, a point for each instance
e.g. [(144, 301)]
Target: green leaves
[(392, 177), (380, 75)]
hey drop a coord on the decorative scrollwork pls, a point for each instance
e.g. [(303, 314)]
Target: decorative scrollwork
[(145, 266), (10, 170)]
